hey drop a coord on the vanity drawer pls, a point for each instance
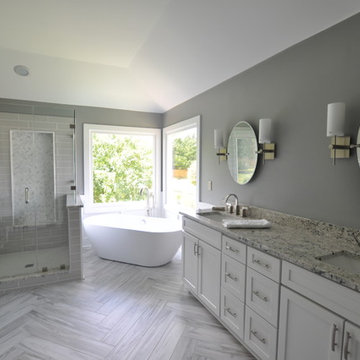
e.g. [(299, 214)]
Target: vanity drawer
[(234, 249), (262, 296), (210, 236), (264, 264), (260, 336), (232, 312), (233, 276)]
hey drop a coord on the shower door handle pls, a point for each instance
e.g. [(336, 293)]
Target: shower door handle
[(26, 195)]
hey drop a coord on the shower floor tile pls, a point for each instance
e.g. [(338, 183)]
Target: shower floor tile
[(29, 262)]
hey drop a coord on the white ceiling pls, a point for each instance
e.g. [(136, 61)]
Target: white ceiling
[(147, 55)]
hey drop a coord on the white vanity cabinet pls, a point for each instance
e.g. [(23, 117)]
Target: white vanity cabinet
[(209, 276), (233, 284), (278, 310), (307, 330), (264, 264), (315, 318), (262, 296), (262, 303), (202, 263), (260, 336), (190, 262)]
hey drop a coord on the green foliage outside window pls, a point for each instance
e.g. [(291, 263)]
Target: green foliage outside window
[(121, 167), (184, 152)]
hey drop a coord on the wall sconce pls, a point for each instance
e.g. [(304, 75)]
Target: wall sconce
[(221, 150), (267, 148), (340, 145)]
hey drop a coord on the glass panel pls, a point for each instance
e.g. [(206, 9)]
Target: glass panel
[(54, 161), (121, 166), (181, 168), (35, 179), (18, 243)]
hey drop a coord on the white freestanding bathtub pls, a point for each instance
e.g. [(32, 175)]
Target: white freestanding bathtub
[(139, 240)]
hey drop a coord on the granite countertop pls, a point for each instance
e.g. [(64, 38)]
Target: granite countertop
[(297, 240)]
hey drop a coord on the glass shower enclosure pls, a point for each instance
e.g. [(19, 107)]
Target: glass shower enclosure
[(37, 171)]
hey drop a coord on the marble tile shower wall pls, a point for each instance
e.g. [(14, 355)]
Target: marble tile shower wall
[(32, 160), (22, 238)]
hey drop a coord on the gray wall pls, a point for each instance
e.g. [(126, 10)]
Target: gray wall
[(294, 88), (84, 115)]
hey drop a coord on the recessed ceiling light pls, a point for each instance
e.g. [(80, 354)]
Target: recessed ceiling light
[(21, 70)]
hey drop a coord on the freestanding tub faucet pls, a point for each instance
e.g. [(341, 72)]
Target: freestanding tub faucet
[(149, 195)]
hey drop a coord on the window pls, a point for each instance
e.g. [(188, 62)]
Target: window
[(181, 164), (118, 163)]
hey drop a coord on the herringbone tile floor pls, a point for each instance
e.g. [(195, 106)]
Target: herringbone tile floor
[(119, 311)]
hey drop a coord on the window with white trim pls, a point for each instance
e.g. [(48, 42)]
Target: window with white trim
[(118, 162), (181, 148)]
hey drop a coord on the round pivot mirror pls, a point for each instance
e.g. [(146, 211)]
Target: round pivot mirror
[(242, 149)]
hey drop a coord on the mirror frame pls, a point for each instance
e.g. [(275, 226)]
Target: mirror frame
[(358, 148), (231, 157)]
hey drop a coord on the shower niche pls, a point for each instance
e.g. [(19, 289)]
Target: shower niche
[(33, 177)]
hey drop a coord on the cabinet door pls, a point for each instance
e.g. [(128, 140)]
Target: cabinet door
[(351, 342), (209, 276), (307, 331), (190, 262)]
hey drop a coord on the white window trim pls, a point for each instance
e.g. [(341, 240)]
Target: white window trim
[(182, 125), (88, 188)]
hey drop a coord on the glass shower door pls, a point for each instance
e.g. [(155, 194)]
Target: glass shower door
[(18, 240), (37, 172)]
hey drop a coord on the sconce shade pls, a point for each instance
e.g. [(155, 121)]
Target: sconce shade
[(265, 131), (335, 119), (218, 139)]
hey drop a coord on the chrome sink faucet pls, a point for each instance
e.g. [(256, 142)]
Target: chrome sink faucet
[(229, 207)]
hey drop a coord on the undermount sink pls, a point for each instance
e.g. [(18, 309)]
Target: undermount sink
[(344, 260), (217, 216), (236, 222)]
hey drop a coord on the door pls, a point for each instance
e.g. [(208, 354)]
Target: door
[(190, 261), (307, 331), (351, 342), (209, 276)]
